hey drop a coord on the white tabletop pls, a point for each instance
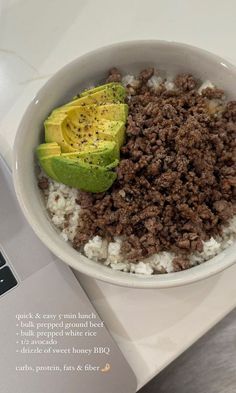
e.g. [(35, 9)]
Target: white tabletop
[(152, 327)]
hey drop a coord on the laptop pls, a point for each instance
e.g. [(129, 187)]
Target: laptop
[(51, 337)]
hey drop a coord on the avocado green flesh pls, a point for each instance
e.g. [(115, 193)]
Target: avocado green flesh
[(48, 149), (82, 163), (72, 139), (104, 154), (103, 130), (63, 129), (83, 139), (78, 174), (99, 88), (106, 95), (60, 132), (46, 165), (87, 113)]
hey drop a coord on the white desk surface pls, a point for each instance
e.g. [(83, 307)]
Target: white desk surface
[(152, 327)]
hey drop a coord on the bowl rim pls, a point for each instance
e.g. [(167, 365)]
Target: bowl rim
[(194, 274)]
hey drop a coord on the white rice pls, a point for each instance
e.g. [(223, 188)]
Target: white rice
[(155, 82), (129, 80), (96, 249), (64, 211), (61, 203)]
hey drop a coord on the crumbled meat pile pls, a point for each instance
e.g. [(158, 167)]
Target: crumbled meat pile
[(176, 177), (43, 183)]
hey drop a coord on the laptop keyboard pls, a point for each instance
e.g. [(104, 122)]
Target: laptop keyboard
[(7, 278)]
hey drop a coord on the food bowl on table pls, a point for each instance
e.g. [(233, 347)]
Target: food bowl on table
[(82, 73)]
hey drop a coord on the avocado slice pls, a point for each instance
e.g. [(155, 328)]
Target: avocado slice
[(98, 88), (88, 113), (48, 149), (79, 174), (102, 153), (46, 165), (44, 152), (58, 130), (103, 129), (106, 94)]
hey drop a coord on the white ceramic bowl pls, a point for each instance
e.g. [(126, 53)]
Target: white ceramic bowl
[(91, 68)]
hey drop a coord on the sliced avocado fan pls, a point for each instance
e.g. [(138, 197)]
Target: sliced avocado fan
[(83, 139)]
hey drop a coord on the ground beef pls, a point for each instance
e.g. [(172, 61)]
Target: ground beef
[(175, 184), (212, 93), (146, 74), (185, 82), (43, 183), (114, 75), (181, 263)]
